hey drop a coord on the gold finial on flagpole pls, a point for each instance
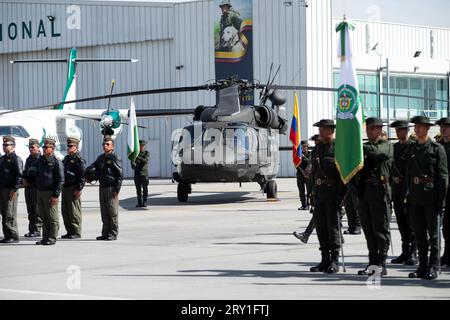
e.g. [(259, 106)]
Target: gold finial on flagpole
[(345, 17)]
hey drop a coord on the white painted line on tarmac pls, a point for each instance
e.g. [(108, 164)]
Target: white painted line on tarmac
[(60, 294)]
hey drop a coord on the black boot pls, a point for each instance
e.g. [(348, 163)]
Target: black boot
[(404, 256), (302, 236), (382, 264), (372, 261), (445, 259), (324, 264), (432, 272), (334, 262), (419, 273), (412, 256), (139, 204)]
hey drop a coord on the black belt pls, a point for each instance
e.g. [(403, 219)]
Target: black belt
[(397, 180), (422, 180), (375, 181), (323, 181)]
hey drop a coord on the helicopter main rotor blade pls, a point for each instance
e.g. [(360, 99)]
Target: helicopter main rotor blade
[(163, 112), (307, 88)]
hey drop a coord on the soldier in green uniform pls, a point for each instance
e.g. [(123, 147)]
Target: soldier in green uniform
[(108, 168), (329, 192), (375, 195), (74, 168), (10, 178), (401, 153), (49, 182), (427, 181), (140, 167), (229, 18), (29, 183), (444, 124), (303, 174)]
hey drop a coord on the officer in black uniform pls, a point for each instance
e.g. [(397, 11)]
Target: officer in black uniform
[(29, 183), (49, 183), (401, 153), (140, 167), (427, 181), (303, 177), (375, 195), (108, 168), (74, 169), (444, 124), (10, 179), (329, 192)]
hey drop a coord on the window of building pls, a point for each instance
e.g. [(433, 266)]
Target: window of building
[(403, 107)]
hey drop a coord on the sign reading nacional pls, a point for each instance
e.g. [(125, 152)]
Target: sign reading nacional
[(42, 28)]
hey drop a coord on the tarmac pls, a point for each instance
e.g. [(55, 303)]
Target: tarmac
[(227, 242)]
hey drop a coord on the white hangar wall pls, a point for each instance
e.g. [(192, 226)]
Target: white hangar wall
[(162, 36)]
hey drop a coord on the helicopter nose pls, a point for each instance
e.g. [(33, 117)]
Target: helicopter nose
[(107, 121)]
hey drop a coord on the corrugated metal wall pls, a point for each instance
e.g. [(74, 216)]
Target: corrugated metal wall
[(163, 37)]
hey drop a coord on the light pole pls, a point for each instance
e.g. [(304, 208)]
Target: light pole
[(388, 84)]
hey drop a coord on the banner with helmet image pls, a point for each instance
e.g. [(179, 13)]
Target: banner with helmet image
[(233, 42)]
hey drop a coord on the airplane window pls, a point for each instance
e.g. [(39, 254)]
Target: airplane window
[(19, 132), (16, 131)]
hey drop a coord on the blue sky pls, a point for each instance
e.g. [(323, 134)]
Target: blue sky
[(431, 13), (417, 12)]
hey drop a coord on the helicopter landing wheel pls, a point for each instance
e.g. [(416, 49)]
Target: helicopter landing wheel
[(183, 191), (271, 189)]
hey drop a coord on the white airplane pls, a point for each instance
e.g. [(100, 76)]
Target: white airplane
[(59, 123)]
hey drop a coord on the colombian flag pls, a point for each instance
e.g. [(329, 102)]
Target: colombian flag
[(294, 135)]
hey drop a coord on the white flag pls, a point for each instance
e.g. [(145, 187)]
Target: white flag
[(133, 138)]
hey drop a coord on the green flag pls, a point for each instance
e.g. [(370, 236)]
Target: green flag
[(133, 138), (349, 114)]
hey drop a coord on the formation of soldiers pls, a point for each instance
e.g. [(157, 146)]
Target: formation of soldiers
[(46, 179), (411, 176)]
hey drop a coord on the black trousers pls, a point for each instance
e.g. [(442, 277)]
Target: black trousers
[(402, 215), (141, 183), (325, 217)]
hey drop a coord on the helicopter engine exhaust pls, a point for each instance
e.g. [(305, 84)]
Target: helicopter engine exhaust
[(267, 117)]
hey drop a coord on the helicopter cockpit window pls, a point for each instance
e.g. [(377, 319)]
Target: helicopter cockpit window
[(228, 101), (15, 131)]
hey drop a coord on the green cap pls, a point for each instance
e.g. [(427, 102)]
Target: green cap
[(9, 140), (443, 121), (49, 141), (421, 120), (374, 121), (73, 140), (325, 123), (400, 124), (32, 142)]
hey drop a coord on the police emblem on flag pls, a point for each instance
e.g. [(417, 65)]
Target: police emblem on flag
[(347, 103)]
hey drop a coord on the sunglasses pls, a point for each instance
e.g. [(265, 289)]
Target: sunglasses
[(7, 144), (71, 145), (106, 143), (46, 147)]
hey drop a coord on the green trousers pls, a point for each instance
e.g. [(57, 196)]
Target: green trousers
[(424, 221), (71, 211), (8, 209), (141, 184), (49, 215), (375, 218), (351, 209), (109, 209), (34, 219)]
